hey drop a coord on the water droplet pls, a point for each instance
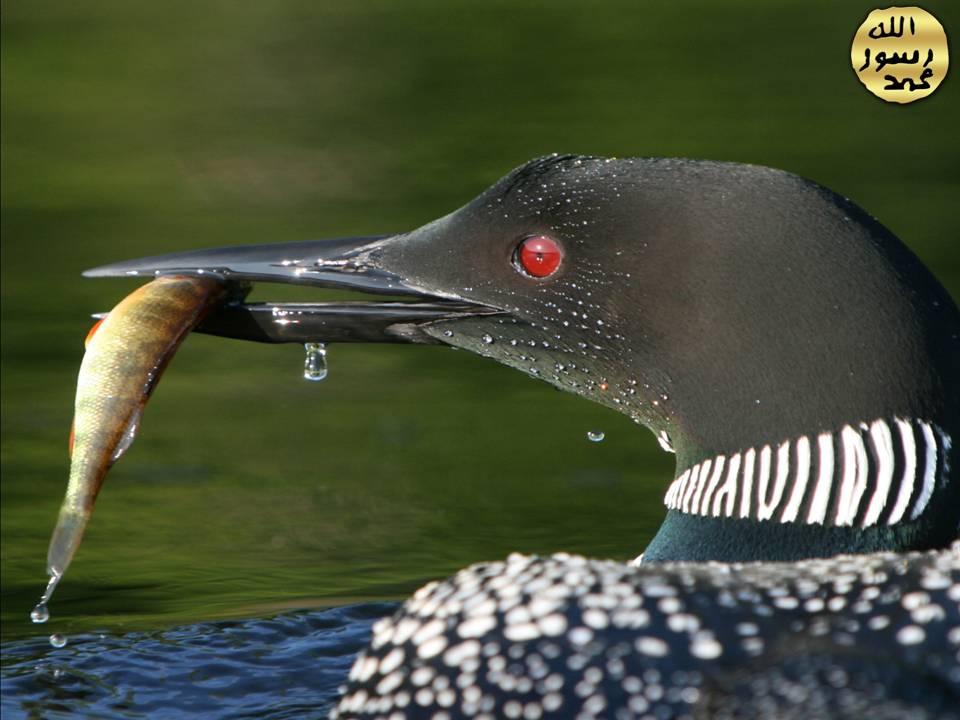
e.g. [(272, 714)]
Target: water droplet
[(595, 435), (315, 362), (40, 612), (487, 339), (58, 641)]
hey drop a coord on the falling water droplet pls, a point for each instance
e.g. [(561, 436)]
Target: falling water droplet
[(315, 362), (58, 641), (595, 435), (487, 339), (40, 613)]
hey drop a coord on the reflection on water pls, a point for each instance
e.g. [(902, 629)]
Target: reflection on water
[(287, 666)]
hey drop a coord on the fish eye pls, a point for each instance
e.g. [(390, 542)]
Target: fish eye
[(538, 256)]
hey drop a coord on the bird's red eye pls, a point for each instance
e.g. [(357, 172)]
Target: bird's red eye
[(538, 256)]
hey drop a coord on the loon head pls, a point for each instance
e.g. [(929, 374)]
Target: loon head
[(800, 361)]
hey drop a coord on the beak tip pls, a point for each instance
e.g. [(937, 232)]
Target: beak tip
[(124, 268), (102, 271)]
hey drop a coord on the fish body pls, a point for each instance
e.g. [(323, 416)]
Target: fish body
[(125, 356)]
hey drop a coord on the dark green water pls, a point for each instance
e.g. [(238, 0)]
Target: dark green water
[(134, 129)]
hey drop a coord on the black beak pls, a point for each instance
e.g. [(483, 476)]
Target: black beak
[(343, 264)]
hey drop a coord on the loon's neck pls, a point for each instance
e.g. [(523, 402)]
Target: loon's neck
[(873, 485)]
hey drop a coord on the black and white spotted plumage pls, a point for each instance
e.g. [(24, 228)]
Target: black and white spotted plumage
[(568, 637)]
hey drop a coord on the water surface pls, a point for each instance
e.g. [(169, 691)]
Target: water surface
[(288, 666)]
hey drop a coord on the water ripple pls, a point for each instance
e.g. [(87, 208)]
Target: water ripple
[(282, 667)]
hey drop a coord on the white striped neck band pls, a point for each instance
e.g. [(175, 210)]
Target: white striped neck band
[(876, 473)]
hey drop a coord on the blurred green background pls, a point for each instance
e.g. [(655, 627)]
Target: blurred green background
[(133, 128)]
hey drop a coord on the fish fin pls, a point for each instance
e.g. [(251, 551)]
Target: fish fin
[(92, 332), (73, 437), (129, 434)]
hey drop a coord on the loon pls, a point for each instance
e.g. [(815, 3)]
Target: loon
[(801, 363)]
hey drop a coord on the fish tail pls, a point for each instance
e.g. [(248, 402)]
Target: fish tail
[(82, 490), (71, 523)]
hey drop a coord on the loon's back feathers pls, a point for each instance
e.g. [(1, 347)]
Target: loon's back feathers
[(566, 636)]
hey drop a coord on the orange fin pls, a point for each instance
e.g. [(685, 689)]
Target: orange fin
[(93, 331), (73, 436)]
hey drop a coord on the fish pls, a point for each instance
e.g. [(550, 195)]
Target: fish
[(126, 353)]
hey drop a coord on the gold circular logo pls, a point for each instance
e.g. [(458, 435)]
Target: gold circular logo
[(900, 54)]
